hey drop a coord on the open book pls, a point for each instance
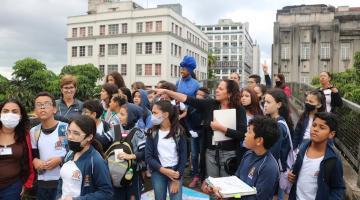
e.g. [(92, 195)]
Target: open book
[(231, 186)]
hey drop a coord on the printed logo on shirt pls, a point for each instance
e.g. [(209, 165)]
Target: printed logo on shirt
[(87, 181), (58, 145), (251, 172), (76, 175)]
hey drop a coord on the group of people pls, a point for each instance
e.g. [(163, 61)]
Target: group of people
[(67, 155)]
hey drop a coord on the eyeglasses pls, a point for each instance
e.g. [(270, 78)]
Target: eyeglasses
[(74, 133), (46, 104)]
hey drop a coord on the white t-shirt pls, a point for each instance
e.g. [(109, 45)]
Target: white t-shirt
[(49, 145), (72, 178), (248, 118), (307, 184), (168, 155), (307, 130), (100, 128), (327, 94)]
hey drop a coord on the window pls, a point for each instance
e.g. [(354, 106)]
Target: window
[(149, 26), (158, 47), (217, 28), (112, 68), (123, 69), (233, 37), (74, 32), (138, 48), (234, 44), (305, 51), (124, 28), (179, 54), (172, 27), (148, 69), (157, 69), (172, 70), (176, 29), (180, 31), (345, 51), (225, 37), (112, 49), (285, 51), (113, 29), (210, 37), (175, 50), (139, 27), (102, 29), (233, 50), (209, 28), (325, 50), (233, 58), (158, 26), (102, 50), (138, 69), (225, 44), (90, 50), (123, 48), (102, 69), (148, 48), (234, 28), (217, 44), (82, 51), (176, 71), (74, 51), (225, 28), (82, 31), (90, 31), (217, 37)]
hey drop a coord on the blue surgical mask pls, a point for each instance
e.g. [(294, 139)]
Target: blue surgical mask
[(156, 120)]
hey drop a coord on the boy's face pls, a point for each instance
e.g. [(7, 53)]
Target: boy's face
[(151, 97), (250, 141), (200, 94), (44, 108), (320, 131), (251, 83)]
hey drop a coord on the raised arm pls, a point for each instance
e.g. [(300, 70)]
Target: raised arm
[(175, 95)]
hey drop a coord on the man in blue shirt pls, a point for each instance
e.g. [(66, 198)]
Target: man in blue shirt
[(258, 168), (187, 84)]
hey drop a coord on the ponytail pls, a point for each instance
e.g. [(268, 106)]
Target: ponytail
[(97, 145)]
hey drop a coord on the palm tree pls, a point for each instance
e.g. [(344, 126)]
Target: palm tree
[(211, 63)]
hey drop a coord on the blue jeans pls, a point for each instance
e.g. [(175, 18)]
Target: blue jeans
[(11, 192), (161, 185), (46, 193), (195, 150)]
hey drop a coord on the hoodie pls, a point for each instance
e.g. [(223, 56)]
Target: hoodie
[(144, 122)]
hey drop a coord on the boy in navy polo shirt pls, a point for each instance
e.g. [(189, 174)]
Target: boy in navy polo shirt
[(258, 167)]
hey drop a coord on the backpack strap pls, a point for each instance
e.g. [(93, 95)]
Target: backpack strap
[(288, 133), (62, 135), (37, 134)]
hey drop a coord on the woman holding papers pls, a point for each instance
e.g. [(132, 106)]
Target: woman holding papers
[(227, 98)]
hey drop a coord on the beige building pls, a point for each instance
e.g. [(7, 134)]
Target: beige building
[(309, 39), (142, 44)]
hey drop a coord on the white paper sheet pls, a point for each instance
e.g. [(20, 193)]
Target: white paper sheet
[(231, 185), (227, 118)]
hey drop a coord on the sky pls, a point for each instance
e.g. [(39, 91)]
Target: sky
[(37, 28)]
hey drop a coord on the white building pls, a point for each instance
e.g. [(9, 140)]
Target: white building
[(142, 44), (256, 59), (232, 47)]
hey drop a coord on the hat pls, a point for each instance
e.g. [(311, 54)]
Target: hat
[(189, 63)]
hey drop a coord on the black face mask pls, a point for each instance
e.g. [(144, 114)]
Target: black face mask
[(278, 83), (309, 107), (75, 146)]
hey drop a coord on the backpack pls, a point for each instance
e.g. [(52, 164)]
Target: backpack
[(119, 168), (61, 134), (284, 182)]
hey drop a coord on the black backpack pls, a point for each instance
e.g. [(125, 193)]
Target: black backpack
[(118, 169)]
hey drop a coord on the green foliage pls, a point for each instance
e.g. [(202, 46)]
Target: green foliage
[(211, 62), (87, 76), (357, 62), (4, 84)]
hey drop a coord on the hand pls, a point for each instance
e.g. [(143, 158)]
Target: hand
[(170, 173), (52, 163), (216, 191), (216, 126), (67, 198), (206, 188), (265, 68), (194, 134), (334, 90), (22, 191), (160, 91), (174, 187), (125, 156), (39, 164), (291, 177)]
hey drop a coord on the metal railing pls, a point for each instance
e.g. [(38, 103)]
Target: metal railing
[(347, 138)]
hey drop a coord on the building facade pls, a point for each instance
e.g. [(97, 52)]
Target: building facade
[(142, 44), (232, 46), (309, 39)]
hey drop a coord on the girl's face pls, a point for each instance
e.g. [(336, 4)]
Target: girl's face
[(111, 80), (104, 95), (112, 105), (324, 78), (11, 108), (221, 93), (75, 134), (151, 97), (270, 105), (245, 98), (137, 98), (312, 99), (258, 91), (123, 115)]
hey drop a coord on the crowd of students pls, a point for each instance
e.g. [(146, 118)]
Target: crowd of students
[(68, 154)]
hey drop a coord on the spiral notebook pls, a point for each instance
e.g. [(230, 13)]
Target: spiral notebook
[(231, 186)]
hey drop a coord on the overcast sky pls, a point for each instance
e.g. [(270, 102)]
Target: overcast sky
[(37, 28)]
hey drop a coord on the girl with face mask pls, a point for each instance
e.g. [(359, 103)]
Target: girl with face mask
[(165, 151), (280, 83), (16, 170), (314, 102), (85, 173)]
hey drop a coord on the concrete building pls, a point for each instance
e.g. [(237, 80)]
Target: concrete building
[(232, 46), (309, 39), (142, 44), (256, 69)]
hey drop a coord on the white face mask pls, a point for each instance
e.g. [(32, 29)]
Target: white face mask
[(10, 120), (156, 120)]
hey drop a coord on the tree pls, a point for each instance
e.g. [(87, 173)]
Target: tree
[(4, 85), (211, 63), (87, 76), (357, 62)]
